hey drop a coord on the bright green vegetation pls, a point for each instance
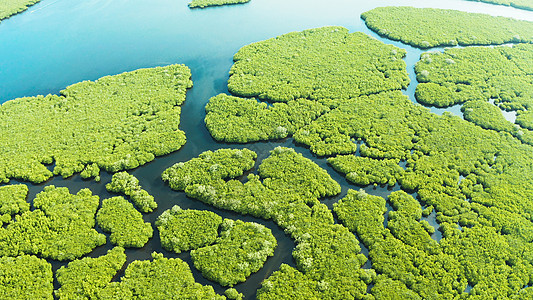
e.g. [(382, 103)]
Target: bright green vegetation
[(486, 115), (252, 121), (491, 202), (370, 118), (310, 71), (124, 222), (525, 119), (478, 182), (241, 250), (287, 190), (208, 3), (317, 64), (61, 226), (25, 277), (184, 230), (233, 294), (13, 201), (431, 27), (521, 4), (115, 123), (365, 171), (209, 166), (9, 8), (162, 278), (477, 73), (127, 184), (82, 279)]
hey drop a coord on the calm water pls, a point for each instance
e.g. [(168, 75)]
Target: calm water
[(58, 43)]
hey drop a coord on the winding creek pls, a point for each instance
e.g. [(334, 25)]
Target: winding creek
[(58, 43)]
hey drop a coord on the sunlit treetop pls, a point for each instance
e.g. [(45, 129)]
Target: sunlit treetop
[(431, 27), (115, 123), (317, 64)]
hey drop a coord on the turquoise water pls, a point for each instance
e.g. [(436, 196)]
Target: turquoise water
[(58, 43)]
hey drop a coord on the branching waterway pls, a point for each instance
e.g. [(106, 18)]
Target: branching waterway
[(58, 43)]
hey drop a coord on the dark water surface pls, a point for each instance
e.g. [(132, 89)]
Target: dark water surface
[(58, 42)]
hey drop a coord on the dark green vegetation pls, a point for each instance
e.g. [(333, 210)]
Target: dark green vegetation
[(61, 226), (241, 250), (311, 71), (184, 230), (208, 3), (521, 4), (162, 278), (124, 222), (317, 64), (115, 123), (286, 190), (25, 277), (127, 184), (9, 8), (431, 27), (82, 279)]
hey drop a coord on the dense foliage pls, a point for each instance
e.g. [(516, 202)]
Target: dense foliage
[(61, 226), (241, 250), (124, 222), (209, 166), (184, 230), (13, 201), (240, 120), (25, 277), (115, 123), (365, 171), (208, 3), (13, 7), (478, 182), (312, 71), (162, 278), (127, 184), (521, 4), (431, 27), (287, 190), (476, 75), (233, 294), (82, 279), (317, 64), (372, 118), (486, 115)]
